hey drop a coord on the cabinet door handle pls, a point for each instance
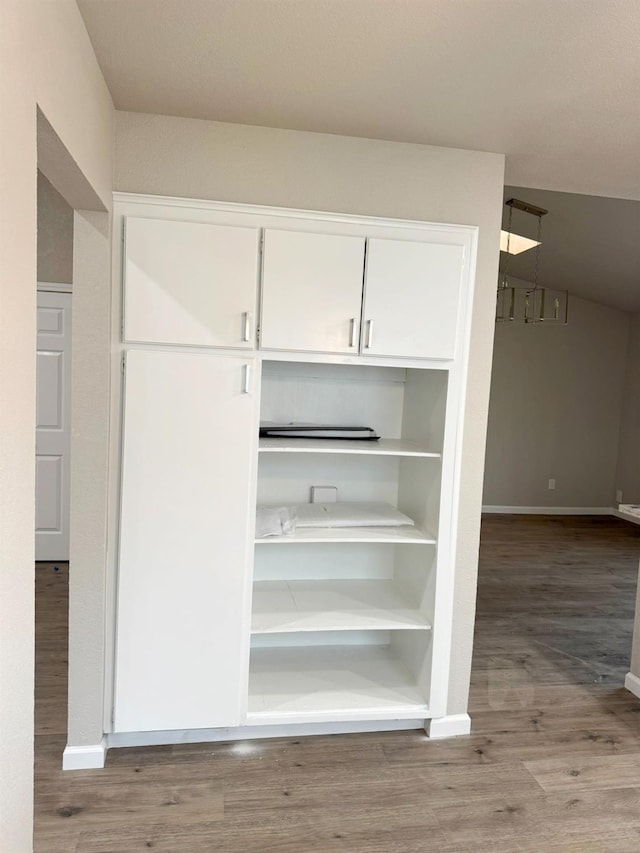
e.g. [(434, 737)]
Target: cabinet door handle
[(369, 333), (246, 378), (246, 334), (352, 332)]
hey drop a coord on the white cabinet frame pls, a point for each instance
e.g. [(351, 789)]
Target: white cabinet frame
[(128, 205)]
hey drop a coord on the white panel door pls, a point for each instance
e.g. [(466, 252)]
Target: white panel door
[(411, 299), (190, 283), (53, 431), (184, 541), (311, 292)]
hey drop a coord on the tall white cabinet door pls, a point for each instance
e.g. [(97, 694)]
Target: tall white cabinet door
[(184, 541), (411, 299), (190, 283), (311, 292)]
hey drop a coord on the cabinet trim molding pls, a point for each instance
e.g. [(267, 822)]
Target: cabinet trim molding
[(177, 203)]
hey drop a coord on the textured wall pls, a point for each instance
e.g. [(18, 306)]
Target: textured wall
[(55, 234), (226, 162), (47, 60), (555, 407)]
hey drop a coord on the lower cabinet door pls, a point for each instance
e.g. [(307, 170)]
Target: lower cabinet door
[(184, 541)]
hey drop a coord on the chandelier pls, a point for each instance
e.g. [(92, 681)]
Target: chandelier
[(521, 301)]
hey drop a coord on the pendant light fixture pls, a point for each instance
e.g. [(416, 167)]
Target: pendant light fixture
[(519, 301)]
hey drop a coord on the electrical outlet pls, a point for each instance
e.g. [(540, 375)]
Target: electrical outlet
[(324, 494), (619, 496), (552, 484)]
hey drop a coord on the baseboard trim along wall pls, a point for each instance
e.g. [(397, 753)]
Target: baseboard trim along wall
[(632, 684), (626, 516), (552, 510), (451, 726), (84, 757), (93, 757)]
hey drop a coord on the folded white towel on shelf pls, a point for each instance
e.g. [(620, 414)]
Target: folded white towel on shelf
[(275, 520)]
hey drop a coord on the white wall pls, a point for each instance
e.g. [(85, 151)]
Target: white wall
[(628, 469), (184, 157), (46, 59), (555, 407)]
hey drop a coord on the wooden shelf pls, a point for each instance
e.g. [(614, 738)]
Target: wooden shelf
[(383, 447), (315, 683), (395, 535), (332, 605)]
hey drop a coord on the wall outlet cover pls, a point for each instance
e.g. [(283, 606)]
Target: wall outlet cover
[(324, 494), (552, 484)]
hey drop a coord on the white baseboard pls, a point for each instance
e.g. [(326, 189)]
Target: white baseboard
[(123, 739), (632, 683), (626, 516), (84, 757), (451, 726), (550, 510)]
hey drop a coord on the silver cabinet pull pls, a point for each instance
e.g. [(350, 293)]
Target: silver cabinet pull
[(352, 332), (246, 335), (246, 378), (369, 333)]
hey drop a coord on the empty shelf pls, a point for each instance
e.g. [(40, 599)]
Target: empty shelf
[(332, 605), (316, 683), (382, 447)]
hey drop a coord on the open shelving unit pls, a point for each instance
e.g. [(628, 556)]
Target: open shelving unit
[(342, 617)]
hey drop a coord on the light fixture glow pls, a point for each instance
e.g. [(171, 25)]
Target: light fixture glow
[(516, 243)]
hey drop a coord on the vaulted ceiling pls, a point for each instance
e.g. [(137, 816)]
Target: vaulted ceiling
[(590, 245), (553, 84)]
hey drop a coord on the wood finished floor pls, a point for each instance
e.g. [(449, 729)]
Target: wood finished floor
[(552, 764)]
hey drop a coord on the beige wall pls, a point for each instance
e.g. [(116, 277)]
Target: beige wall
[(554, 412), (46, 59), (628, 469), (55, 234), (183, 157)]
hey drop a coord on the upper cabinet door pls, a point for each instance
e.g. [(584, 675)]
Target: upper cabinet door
[(411, 299), (190, 283), (311, 292)]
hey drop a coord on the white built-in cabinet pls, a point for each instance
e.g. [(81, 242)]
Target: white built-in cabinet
[(345, 294), (411, 299), (346, 321), (192, 283), (184, 549), (311, 291)]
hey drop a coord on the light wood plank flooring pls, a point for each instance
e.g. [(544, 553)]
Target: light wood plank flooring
[(553, 763)]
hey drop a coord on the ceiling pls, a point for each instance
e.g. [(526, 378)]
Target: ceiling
[(590, 245), (553, 84)]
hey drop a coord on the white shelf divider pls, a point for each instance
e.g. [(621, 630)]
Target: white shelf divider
[(382, 447), (394, 535), (324, 683), (332, 605)]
